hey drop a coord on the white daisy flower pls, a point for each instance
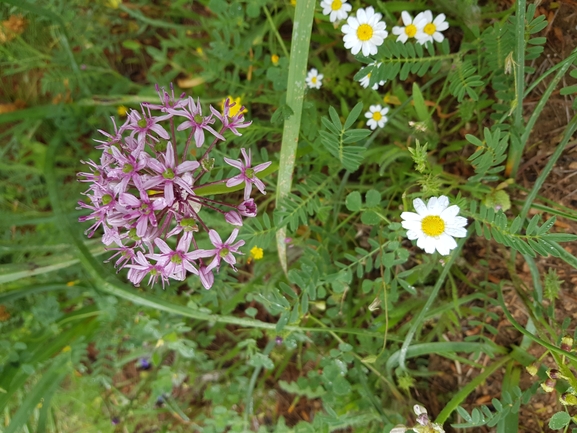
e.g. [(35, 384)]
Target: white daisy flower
[(431, 28), (338, 9), (314, 79), (365, 32), (411, 29), (365, 81), (377, 116), (434, 225)]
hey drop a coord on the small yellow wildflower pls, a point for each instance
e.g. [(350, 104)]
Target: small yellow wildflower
[(122, 110), (274, 59), (159, 343), (294, 2), (66, 349), (256, 253), (200, 51), (236, 108)]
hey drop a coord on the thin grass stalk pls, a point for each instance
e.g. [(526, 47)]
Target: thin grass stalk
[(302, 27), (552, 86), (569, 131), (418, 322), (464, 392), (517, 145)]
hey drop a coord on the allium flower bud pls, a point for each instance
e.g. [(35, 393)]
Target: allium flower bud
[(532, 369), (143, 192), (247, 208), (567, 343), (568, 399), (549, 385), (233, 218)]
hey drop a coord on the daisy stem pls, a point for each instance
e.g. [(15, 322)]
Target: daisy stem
[(432, 297), (300, 43)]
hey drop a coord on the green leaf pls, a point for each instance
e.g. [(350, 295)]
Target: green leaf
[(341, 386), (354, 201), (353, 115), (373, 198), (559, 420), (370, 218)]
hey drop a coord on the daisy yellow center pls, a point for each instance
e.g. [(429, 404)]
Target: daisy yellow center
[(433, 225), (314, 80), (411, 30), (430, 29), (365, 32), (377, 116), (336, 5)]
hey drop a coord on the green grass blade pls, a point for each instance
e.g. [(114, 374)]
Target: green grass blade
[(510, 423), (417, 323), (464, 392), (16, 271), (296, 86), (569, 131), (12, 295), (516, 149), (46, 387), (441, 348)]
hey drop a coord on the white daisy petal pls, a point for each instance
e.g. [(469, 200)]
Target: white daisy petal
[(406, 17), (420, 206), (450, 212)]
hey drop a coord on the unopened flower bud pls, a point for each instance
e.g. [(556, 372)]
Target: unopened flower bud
[(553, 373), (567, 344), (548, 385), (247, 208), (568, 399), (233, 218), (532, 369)]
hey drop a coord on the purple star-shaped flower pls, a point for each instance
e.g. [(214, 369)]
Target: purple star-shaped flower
[(168, 174), (222, 250), (143, 125), (176, 262), (247, 173), (142, 210), (196, 121)]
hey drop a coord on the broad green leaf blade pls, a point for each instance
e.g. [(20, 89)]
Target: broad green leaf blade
[(302, 27)]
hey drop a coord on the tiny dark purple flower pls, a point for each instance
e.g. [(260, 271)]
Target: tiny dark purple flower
[(115, 420)]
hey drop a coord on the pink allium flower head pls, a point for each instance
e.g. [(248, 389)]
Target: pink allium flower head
[(142, 193)]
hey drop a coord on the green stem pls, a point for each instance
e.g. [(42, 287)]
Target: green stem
[(571, 128), (249, 400), (432, 297), (275, 31), (301, 36), (552, 85), (517, 145), (468, 389)]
